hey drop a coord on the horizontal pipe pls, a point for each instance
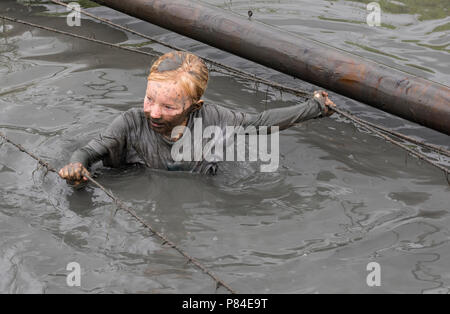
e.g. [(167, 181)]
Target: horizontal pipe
[(402, 94)]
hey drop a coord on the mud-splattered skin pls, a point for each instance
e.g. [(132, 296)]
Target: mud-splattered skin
[(166, 106)]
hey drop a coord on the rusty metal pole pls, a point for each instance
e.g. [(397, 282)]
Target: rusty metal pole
[(402, 94)]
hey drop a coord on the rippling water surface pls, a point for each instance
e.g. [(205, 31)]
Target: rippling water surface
[(342, 198)]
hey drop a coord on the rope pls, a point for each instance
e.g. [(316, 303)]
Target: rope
[(248, 76), (370, 126), (387, 138), (121, 205), (284, 88), (228, 71), (77, 36), (435, 148), (233, 72)]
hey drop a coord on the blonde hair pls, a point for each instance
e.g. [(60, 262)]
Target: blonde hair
[(187, 69)]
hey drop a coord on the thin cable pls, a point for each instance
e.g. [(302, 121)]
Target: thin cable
[(435, 148), (232, 72), (250, 76), (387, 138), (78, 36), (120, 204), (275, 85)]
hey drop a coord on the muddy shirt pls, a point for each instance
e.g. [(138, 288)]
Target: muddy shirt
[(129, 139)]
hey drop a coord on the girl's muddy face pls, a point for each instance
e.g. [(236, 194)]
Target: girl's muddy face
[(166, 106)]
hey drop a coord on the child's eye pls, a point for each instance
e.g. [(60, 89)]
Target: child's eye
[(170, 108)]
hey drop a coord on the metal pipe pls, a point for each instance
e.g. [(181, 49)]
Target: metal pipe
[(402, 94)]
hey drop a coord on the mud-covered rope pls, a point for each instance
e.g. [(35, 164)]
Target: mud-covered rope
[(243, 75), (77, 36), (436, 148), (387, 138), (120, 204), (225, 69), (248, 76)]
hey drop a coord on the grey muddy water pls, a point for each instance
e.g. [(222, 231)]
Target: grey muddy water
[(341, 198)]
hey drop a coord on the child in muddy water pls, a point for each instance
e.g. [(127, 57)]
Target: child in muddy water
[(173, 110)]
